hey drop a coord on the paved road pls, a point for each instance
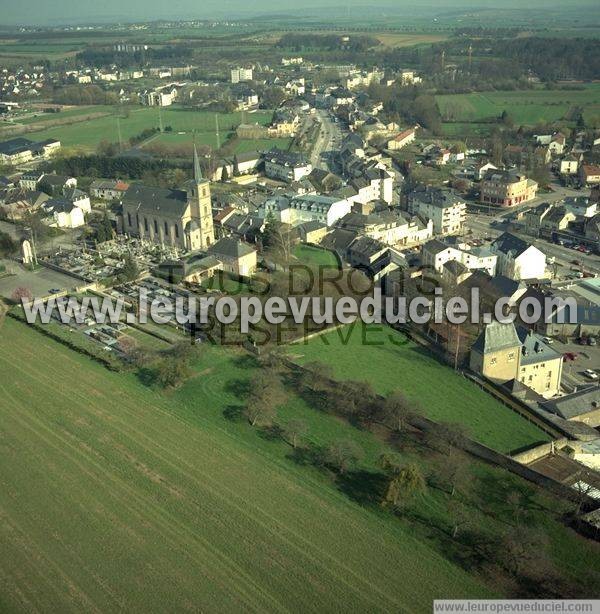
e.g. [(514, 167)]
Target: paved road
[(495, 224), (328, 140)]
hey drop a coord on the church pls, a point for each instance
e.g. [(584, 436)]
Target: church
[(175, 218)]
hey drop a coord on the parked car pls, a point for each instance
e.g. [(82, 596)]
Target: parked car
[(592, 341), (548, 340), (590, 374)]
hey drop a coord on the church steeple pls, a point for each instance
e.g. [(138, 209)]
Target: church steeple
[(201, 231), (197, 170)]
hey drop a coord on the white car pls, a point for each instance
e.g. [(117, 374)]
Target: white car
[(590, 374)]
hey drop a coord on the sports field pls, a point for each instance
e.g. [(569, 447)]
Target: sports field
[(117, 498), (526, 107), (133, 121), (389, 361)]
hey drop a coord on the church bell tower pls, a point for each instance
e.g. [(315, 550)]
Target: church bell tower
[(198, 196)]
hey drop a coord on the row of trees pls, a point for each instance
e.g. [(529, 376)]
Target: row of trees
[(493, 522), (408, 105), (327, 42), (84, 95)]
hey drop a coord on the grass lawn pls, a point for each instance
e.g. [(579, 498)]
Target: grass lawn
[(526, 107), (389, 361), (464, 129), (134, 120), (72, 113), (145, 340), (315, 255), (115, 497), (243, 145), (224, 283)]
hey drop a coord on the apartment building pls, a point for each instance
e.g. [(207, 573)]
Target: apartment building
[(442, 206), (506, 188)]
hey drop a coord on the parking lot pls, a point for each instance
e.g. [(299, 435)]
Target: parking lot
[(585, 357), (39, 282)]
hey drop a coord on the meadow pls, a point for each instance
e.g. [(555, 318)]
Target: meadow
[(116, 497), (132, 121), (389, 361), (527, 107)]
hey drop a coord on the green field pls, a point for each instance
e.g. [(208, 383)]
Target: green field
[(133, 121), (70, 113), (243, 145), (117, 498), (526, 107), (309, 254), (42, 49), (370, 354)]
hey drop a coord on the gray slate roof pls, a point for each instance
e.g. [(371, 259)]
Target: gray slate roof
[(230, 247), (495, 337), (160, 201), (533, 349), (576, 403), (509, 243)]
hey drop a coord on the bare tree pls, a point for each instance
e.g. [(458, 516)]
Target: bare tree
[(261, 411), (343, 454), (397, 411), (294, 431), (21, 293), (452, 471), (265, 395)]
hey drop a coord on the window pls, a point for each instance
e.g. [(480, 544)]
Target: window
[(166, 228), (493, 361), (155, 227), (511, 356), (146, 224), (129, 218), (176, 231)]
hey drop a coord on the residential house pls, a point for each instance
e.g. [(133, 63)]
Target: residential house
[(582, 405), (108, 189), (238, 164), (65, 213), (546, 219), (16, 203), (436, 254), (388, 228), (569, 165), (286, 166), (589, 174), (237, 257), (481, 170), (518, 259), (503, 354), (79, 198), (54, 185), (402, 139), (311, 232)]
